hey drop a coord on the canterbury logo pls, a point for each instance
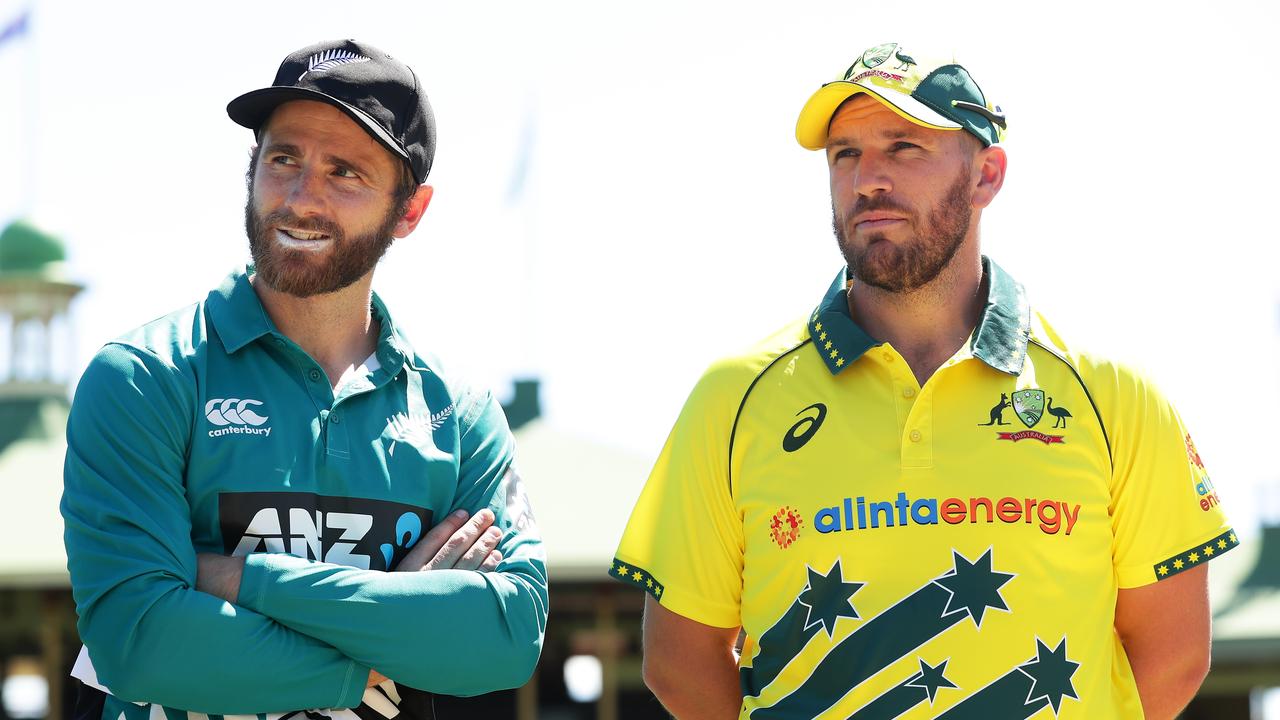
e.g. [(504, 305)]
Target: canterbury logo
[(800, 433), (330, 59), (233, 411)]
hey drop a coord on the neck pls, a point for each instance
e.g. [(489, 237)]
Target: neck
[(336, 329), (927, 325)]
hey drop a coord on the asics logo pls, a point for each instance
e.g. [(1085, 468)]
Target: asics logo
[(806, 428), (233, 411)]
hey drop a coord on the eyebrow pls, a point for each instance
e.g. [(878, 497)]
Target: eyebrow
[(891, 134), (288, 149)]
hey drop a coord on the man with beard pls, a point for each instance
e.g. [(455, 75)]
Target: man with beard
[(243, 474), (876, 497)]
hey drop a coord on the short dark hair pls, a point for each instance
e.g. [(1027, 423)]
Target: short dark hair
[(406, 187)]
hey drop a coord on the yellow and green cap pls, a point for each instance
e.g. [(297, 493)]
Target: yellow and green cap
[(935, 94)]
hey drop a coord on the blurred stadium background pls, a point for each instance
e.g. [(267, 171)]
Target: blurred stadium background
[(618, 201)]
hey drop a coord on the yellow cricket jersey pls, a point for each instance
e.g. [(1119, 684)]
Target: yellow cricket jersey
[(946, 551)]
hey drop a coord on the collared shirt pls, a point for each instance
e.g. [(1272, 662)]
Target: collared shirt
[(208, 430), (947, 550)]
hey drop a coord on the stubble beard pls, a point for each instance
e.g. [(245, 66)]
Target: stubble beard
[(299, 272), (907, 266)]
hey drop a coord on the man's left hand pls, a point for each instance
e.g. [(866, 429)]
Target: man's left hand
[(219, 575)]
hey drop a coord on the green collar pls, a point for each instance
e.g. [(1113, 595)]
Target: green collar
[(239, 319), (1000, 340)]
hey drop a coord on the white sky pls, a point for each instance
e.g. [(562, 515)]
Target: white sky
[(669, 216)]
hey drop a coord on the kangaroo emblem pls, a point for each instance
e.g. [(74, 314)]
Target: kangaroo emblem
[(997, 412)]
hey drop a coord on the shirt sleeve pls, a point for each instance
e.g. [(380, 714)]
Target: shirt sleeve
[(684, 542), (151, 635), (1165, 512), (457, 632)]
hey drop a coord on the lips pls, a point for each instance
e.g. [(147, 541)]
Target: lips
[(875, 220), (303, 234), (296, 239)]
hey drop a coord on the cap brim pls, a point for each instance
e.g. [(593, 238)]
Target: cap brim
[(253, 108), (815, 117)]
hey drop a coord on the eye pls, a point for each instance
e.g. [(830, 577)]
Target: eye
[(903, 145), (281, 160), (345, 172), (846, 153)]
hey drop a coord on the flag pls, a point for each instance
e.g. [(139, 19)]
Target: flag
[(15, 28)]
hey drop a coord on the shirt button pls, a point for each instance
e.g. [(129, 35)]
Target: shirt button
[(888, 357), (908, 392), (314, 375), (335, 418), (915, 436)]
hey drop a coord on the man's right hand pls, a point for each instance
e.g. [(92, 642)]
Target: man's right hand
[(457, 544)]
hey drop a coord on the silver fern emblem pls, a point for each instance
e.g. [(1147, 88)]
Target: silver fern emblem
[(415, 428), (330, 59)]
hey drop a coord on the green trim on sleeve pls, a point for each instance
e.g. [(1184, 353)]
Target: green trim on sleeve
[(1197, 555), (637, 576)]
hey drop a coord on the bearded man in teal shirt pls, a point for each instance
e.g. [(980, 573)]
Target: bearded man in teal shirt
[(244, 475)]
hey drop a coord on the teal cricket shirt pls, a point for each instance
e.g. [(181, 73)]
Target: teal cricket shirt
[(207, 430)]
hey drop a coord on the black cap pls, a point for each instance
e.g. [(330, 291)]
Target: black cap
[(377, 91)]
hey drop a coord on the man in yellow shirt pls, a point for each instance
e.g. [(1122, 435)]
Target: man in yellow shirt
[(920, 501)]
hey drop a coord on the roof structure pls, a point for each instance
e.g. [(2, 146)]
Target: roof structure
[(582, 494), (25, 249), (32, 447), (1245, 590)]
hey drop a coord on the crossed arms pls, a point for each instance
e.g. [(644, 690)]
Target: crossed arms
[(302, 634)]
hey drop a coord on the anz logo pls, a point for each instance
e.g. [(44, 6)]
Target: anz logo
[(355, 532)]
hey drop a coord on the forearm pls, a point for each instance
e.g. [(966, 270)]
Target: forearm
[(1164, 628), (1166, 682), (696, 691), (184, 649), (692, 668), (409, 625)]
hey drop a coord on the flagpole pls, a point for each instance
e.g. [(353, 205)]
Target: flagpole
[(32, 139), (12, 32)]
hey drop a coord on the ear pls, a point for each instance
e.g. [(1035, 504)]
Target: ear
[(414, 212), (990, 163)]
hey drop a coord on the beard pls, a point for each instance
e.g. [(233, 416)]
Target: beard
[(301, 273), (919, 260)]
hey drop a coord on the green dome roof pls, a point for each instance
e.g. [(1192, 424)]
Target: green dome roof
[(26, 249)]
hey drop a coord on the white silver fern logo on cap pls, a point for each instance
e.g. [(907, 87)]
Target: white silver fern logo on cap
[(330, 59)]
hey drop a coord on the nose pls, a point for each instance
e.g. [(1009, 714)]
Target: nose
[(871, 175), (306, 193)]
